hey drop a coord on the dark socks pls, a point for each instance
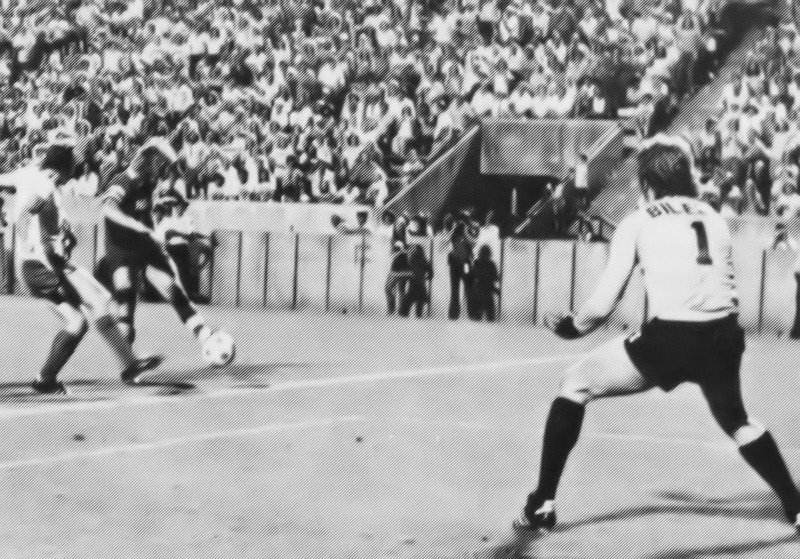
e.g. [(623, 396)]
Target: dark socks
[(560, 435), (181, 303), (764, 457), (63, 347), (126, 299)]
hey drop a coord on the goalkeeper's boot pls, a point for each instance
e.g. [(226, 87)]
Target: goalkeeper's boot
[(539, 514)]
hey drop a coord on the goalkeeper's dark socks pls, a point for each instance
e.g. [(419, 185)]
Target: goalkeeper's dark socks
[(560, 435), (64, 345), (764, 457)]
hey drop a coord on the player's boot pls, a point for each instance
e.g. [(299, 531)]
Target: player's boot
[(49, 387), (133, 374), (539, 514)]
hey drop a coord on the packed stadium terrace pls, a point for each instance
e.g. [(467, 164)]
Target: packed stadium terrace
[(335, 100), (748, 152)]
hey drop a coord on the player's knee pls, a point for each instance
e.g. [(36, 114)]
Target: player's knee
[(121, 280), (747, 432), (576, 389), (75, 324)]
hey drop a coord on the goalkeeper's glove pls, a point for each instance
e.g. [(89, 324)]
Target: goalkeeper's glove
[(564, 327)]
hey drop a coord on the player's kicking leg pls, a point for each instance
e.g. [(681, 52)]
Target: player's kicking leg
[(607, 371), (164, 278)]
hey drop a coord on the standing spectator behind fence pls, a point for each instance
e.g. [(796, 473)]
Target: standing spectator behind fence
[(420, 272), (460, 262), (397, 279), (485, 278), (784, 243), (581, 173)]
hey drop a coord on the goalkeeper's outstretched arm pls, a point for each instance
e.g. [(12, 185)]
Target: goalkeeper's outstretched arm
[(609, 289)]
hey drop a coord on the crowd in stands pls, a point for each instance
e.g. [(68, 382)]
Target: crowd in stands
[(320, 100), (749, 153)]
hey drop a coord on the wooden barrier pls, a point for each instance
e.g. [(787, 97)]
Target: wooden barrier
[(347, 274)]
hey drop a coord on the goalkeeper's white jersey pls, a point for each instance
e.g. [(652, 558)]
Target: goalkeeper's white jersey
[(684, 249)]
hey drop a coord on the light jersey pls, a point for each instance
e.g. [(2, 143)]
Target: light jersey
[(38, 214), (684, 249)]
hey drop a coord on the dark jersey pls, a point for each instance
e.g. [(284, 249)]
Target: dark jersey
[(135, 199)]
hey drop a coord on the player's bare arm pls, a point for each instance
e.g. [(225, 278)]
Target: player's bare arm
[(609, 290)]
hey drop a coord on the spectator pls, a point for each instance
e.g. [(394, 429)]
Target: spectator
[(489, 234), (398, 278), (386, 227), (242, 70), (581, 174), (420, 273), (485, 278), (460, 263)]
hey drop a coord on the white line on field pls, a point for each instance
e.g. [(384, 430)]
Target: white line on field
[(284, 427), (10, 413), (716, 445), (176, 441)]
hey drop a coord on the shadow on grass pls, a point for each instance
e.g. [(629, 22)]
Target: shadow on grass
[(522, 544), (160, 383), (242, 375)]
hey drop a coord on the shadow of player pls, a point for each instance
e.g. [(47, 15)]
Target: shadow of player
[(745, 549), (243, 375), (751, 506), (22, 393)]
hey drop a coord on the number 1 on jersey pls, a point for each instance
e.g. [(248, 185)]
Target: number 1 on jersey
[(703, 254)]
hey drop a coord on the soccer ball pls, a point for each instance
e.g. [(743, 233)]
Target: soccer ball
[(219, 349)]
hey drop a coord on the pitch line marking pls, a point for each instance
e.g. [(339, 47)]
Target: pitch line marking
[(176, 441), (425, 372), (715, 445), (284, 427)]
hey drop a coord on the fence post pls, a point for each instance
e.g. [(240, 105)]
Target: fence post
[(12, 268), (573, 272), (761, 291), (239, 268), (266, 269), (363, 265), (430, 281), (328, 275), (502, 274), (536, 284), (211, 267), (296, 270)]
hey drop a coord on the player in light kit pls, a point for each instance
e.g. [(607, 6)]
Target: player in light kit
[(132, 244), (684, 249), (45, 241)]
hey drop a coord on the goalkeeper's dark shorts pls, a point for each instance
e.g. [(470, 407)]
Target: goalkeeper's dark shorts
[(709, 354)]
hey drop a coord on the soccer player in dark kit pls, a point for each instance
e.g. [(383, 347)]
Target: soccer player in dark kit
[(684, 249), (44, 243), (132, 245)]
